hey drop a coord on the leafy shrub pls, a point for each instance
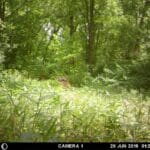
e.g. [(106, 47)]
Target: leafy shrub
[(140, 75)]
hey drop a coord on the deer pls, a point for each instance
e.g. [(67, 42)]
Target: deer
[(64, 82)]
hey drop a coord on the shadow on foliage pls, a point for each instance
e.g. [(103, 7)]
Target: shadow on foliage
[(139, 77)]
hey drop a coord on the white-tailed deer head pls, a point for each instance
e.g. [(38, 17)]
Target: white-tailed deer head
[(64, 82)]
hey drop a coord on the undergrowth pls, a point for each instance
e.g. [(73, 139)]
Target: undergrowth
[(37, 111)]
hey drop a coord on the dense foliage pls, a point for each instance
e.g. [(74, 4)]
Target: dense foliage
[(76, 70)]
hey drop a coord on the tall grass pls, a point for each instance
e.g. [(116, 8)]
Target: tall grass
[(34, 111)]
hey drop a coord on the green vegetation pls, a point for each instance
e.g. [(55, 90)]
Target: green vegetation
[(74, 71), (32, 110)]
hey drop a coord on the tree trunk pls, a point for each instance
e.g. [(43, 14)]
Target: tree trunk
[(2, 9), (91, 36), (71, 18), (71, 25)]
